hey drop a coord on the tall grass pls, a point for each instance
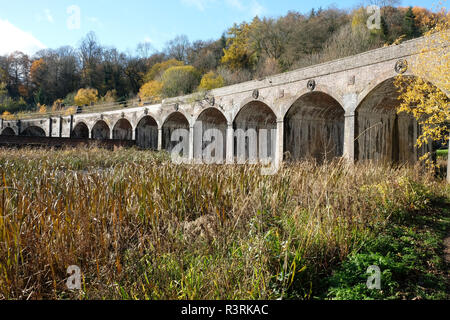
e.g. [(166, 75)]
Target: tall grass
[(140, 227)]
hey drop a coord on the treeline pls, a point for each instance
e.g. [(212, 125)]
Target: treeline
[(92, 73)]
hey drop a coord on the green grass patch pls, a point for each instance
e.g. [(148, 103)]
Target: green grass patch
[(409, 252), (443, 153)]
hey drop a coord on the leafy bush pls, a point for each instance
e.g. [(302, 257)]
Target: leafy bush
[(179, 81), (86, 97), (211, 81)]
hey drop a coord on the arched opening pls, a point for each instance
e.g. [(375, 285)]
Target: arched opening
[(33, 131), (8, 132), (255, 133), (210, 133), (381, 133), (174, 122), (314, 128), (147, 133), (100, 131), (123, 130), (81, 131)]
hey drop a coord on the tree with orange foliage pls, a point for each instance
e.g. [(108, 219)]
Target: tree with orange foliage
[(37, 71), (86, 96), (7, 115), (425, 19), (42, 108), (57, 104), (156, 72), (151, 91)]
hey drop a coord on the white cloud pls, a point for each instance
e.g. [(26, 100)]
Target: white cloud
[(257, 9), (199, 4), (48, 16), (96, 21), (14, 39), (237, 4), (254, 7)]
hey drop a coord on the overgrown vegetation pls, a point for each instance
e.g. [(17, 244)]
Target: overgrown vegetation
[(424, 96), (142, 228), (249, 50)]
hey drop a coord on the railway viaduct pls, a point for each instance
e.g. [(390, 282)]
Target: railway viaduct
[(343, 108)]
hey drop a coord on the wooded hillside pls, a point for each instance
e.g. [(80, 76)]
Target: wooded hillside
[(55, 79)]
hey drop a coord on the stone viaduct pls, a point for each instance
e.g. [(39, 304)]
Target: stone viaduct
[(345, 107)]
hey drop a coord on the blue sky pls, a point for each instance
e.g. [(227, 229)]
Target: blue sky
[(29, 25)]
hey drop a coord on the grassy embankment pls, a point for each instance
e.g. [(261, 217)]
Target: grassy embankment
[(141, 227)]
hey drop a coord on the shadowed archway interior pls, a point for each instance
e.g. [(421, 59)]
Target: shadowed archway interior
[(175, 121), (211, 122), (81, 131), (8, 132), (381, 134), (255, 129), (123, 130), (101, 131), (314, 128), (33, 131), (147, 133)]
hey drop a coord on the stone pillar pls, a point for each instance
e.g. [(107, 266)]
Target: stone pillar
[(60, 126), (230, 144), (191, 143), (160, 138), (350, 105), (71, 126), (279, 144), (133, 134), (349, 137), (50, 127)]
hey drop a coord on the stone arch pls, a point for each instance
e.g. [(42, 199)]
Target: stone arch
[(390, 74), (80, 131), (180, 111), (255, 133), (314, 127), (100, 131), (385, 76), (287, 103), (147, 133), (123, 130), (249, 100), (8, 131), (210, 119), (33, 131), (381, 134), (174, 121)]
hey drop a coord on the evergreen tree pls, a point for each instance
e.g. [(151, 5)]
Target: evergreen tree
[(384, 28), (409, 25)]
